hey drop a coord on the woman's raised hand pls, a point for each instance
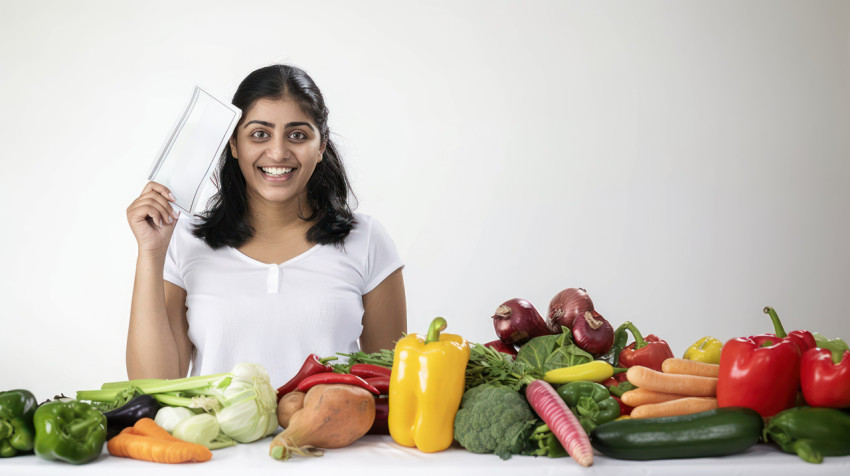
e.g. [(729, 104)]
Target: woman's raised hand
[(152, 218)]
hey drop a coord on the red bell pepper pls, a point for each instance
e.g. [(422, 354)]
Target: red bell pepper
[(825, 377), (804, 339), (648, 352), (762, 372)]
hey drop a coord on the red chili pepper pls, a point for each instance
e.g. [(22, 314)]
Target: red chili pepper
[(382, 383), (825, 378), (312, 365), (332, 378), (648, 352), (382, 411), (500, 346), (368, 371), (761, 372)]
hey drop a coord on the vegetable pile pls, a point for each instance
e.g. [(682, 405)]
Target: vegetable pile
[(564, 385)]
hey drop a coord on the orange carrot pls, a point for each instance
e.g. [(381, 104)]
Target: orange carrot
[(148, 427), (157, 450), (688, 385), (681, 406), (642, 396), (690, 367)]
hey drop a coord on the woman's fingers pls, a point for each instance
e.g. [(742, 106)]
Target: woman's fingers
[(161, 189), (151, 205)]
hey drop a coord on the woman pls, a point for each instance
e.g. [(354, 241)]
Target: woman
[(278, 267)]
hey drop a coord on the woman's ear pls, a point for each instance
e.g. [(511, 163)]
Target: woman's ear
[(233, 147), (322, 151)]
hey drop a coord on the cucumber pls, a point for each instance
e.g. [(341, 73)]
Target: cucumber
[(718, 432)]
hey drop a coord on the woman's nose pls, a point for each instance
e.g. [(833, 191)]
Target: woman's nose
[(277, 150)]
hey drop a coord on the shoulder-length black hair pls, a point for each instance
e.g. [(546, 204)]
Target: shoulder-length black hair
[(224, 223)]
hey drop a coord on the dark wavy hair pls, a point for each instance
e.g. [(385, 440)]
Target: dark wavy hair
[(224, 222)]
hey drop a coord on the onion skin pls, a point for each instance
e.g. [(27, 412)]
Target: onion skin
[(566, 306), (516, 321), (500, 346), (593, 333)]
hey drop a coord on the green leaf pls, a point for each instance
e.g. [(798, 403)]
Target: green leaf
[(535, 352)]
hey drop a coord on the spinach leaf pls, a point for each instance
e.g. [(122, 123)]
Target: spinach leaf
[(552, 352)]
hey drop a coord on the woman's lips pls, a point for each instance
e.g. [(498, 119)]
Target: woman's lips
[(277, 174)]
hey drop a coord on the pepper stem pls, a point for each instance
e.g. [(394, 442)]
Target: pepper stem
[(437, 325), (79, 429), (640, 342), (777, 324)]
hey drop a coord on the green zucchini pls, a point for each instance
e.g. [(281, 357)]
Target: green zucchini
[(718, 432)]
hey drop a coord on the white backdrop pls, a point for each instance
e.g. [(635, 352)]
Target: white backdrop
[(685, 162)]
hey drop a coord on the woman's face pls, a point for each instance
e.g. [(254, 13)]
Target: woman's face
[(277, 146)]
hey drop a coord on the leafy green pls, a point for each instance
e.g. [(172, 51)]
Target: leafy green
[(551, 352), (487, 365)]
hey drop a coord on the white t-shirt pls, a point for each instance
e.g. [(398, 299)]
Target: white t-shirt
[(275, 315)]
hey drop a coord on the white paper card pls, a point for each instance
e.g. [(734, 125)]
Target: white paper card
[(190, 152)]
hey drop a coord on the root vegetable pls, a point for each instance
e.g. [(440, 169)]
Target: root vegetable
[(593, 333), (333, 416), (288, 405)]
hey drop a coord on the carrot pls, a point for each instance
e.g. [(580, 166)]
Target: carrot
[(687, 385), (690, 367), (148, 427), (682, 406), (148, 448), (642, 396), (564, 425)]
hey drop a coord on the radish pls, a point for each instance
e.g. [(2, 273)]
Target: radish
[(558, 417)]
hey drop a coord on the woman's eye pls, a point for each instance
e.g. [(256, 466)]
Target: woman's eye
[(260, 135), (298, 135)]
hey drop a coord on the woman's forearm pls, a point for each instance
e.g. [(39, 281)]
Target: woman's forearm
[(152, 348)]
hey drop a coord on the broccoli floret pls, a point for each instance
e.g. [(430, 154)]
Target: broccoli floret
[(491, 415)]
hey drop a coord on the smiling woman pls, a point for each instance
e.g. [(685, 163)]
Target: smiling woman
[(278, 267)]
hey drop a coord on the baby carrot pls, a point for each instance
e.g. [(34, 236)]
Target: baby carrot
[(690, 367), (148, 448), (642, 396), (681, 406), (148, 427), (688, 385)]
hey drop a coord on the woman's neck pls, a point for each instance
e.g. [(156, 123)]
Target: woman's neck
[(275, 221)]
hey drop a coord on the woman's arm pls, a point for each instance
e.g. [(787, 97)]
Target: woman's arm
[(384, 314), (158, 344)]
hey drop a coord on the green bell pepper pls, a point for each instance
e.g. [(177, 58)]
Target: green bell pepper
[(590, 402), (16, 431), (810, 432), (69, 430)]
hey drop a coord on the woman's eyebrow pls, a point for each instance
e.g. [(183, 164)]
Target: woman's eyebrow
[(288, 124)]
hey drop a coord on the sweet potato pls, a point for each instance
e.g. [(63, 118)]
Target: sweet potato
[(333, 416), (288, 405)]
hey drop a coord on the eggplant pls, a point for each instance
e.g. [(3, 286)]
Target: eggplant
[(142, 406)]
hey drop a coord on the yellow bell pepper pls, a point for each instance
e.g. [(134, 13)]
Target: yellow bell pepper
[(705, 350), (426, 386)]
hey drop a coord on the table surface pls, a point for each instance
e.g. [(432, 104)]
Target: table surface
[(379, 455)]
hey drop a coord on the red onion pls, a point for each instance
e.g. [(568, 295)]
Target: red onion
[(566, 306), (516, 321), (593, 333), (500, 346)]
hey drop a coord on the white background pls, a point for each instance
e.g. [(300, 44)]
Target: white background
[(685, 162)]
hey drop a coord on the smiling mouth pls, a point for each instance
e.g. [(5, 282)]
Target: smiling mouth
[(276, 171)]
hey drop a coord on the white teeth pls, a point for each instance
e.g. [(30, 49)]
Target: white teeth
[(275, 171)]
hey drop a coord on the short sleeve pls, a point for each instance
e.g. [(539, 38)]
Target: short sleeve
[(382, 256), (171, 271)]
